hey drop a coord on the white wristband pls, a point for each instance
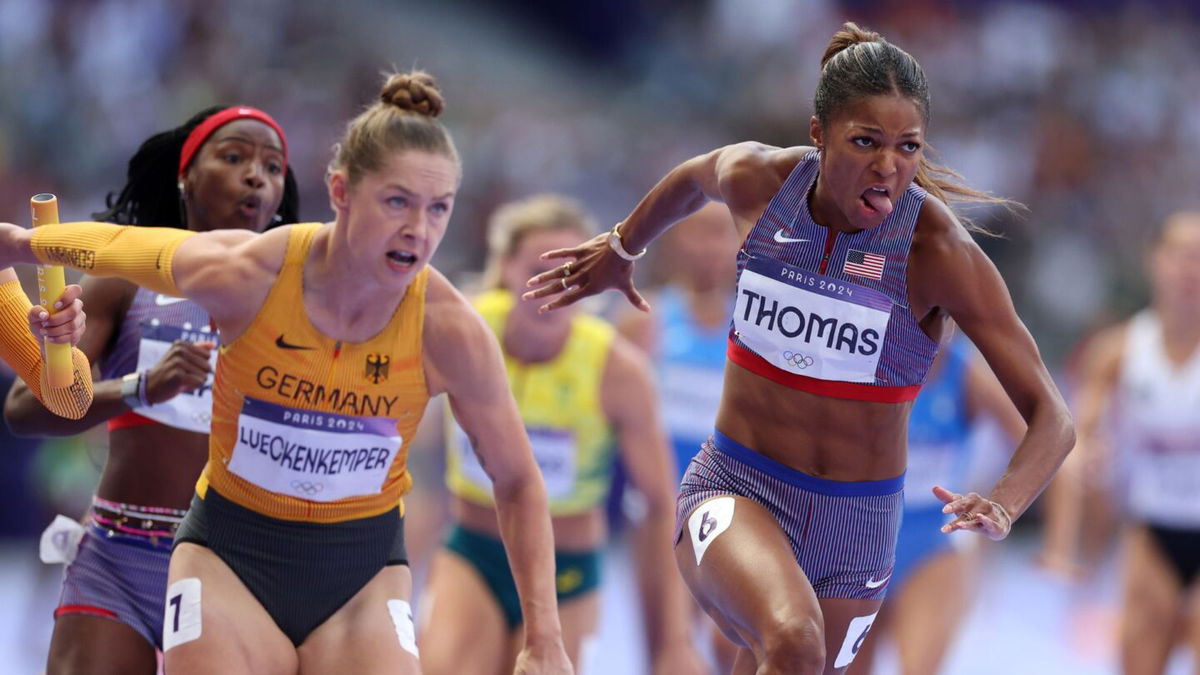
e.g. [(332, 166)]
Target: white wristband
[(614, 242), (999, 507), (130, 384)]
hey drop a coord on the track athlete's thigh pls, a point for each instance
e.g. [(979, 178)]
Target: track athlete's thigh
[(214, 625), (79, 640), (1151, 604), (580, 618), (372, 634), (739, 565), (463, 630), (848, 622), (928, 610)]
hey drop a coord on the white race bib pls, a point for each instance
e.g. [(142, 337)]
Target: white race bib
[(318, 456), (553, 450), (191, 411), (810, 324), (1165, 488)]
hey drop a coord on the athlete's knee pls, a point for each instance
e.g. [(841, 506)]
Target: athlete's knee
[(795, 645)]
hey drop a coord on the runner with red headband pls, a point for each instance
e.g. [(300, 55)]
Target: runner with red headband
[(225, 168)]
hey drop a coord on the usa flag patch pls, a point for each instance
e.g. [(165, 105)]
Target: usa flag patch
[(864, 264)]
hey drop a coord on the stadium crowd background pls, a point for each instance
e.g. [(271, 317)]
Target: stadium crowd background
[(1084, 111)]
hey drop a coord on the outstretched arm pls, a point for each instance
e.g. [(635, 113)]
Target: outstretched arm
[(631, 405), (227, 272), (463, 359), (744, 176), (948, 272), (22, 349)]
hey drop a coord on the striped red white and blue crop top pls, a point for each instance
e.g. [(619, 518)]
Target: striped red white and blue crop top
[(826, 312)]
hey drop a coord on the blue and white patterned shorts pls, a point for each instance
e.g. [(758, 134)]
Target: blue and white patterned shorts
[(843, 534)]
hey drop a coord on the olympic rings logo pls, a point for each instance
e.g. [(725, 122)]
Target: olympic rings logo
[(798, 360), (307, 487)]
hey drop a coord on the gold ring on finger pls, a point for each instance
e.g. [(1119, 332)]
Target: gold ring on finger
[(567, 269)]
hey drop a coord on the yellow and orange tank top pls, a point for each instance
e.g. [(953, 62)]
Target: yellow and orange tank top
[(305, 427), (560, 403)]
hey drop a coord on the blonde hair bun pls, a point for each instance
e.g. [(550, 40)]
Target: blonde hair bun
[(415, 91)]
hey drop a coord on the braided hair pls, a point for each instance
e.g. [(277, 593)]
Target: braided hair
[(150, 195)]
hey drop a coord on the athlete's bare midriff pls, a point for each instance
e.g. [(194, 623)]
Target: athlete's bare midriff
[(830, 438), (153, 465)]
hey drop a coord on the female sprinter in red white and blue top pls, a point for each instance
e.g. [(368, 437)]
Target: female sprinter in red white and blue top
[(850, 266)]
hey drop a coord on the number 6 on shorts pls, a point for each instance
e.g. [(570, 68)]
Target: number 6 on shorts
[(181, 618)]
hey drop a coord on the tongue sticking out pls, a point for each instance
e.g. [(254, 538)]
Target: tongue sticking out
[(878, 201)]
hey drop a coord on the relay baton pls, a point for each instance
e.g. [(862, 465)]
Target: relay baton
[(51, 283)]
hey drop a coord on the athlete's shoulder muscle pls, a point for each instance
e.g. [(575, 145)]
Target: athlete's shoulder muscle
[(1104, 354), (750, 174), (942, 250), (230, 272), (461, 353)]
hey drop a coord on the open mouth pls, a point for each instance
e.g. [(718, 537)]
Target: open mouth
[(402, 258), (250, 206), (877, 200)]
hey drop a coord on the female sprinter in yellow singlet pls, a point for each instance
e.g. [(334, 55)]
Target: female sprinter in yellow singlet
[(583, 393), (333, 338)]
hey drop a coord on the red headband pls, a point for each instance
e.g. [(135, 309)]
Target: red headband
[(206, 128)]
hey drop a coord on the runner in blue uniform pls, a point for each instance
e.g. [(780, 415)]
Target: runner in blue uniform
[(851, 267)]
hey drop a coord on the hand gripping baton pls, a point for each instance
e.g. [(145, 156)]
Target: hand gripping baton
[(51, 283)]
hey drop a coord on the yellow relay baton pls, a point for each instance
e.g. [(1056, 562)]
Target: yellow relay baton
[(51, 283)]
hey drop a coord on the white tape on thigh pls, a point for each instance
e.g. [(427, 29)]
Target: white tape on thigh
[(402, 619), (708, 521), (856, 633), (181, 616)]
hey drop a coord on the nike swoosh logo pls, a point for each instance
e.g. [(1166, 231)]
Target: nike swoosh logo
[(282, 344), (871, 583), (786, 240), (164, 300)]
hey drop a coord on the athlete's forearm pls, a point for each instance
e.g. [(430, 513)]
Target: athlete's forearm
[(143, 255), (1050, 437), (524, 517), (14, 246), (27, 417), (21, 350), (665, 602), (679, 194)]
